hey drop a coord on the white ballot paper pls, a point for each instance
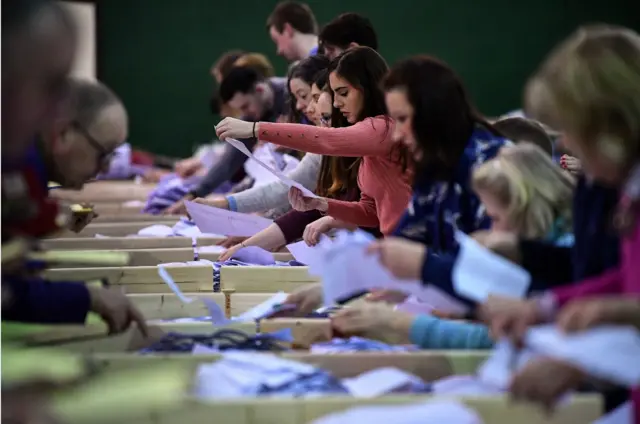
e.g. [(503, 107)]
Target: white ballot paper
[(345, 268), (479, 273), (219, 221), (286, 180), (607, 352)]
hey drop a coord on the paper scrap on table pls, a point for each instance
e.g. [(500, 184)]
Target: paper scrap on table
[(282, 177), (479, 272), (211, 249), (156, 231), (431, 412), (219, 221), (378, 382)]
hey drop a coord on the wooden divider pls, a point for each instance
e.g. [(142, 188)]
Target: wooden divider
[(153, 257), (155, 306), (261, 279), (106, 191), (113, 229), (118, 208), (103, 218), (582, 409), (121, 243), (141, 279)]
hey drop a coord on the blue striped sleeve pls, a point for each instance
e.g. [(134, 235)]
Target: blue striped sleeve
[(429, 332)]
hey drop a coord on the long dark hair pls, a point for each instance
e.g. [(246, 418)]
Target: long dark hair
[(443, 115), (365, 70), (338, 175), (306, 69)]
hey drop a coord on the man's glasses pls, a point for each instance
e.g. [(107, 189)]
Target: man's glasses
[(104, 156)]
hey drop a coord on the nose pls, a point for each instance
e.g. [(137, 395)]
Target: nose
[(300, 106), (337, 104), (398, 135)]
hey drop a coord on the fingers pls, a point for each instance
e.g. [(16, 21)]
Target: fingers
[(228, 254), (137, 317), (374, 248)]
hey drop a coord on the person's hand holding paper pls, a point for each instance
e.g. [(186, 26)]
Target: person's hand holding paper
[(302, 202), (403, 258)]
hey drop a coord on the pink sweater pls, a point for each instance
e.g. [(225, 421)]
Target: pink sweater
[(623, 280), (385, 188)]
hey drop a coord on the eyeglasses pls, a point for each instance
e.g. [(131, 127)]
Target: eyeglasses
[(104, 156)]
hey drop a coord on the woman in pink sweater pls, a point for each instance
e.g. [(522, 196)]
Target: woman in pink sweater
[(592, 86), (363, 131)]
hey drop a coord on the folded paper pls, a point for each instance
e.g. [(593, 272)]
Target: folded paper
[(219, 221)]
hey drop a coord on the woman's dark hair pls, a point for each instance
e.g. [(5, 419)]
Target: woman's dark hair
[(338, 175), (443, 115), (321, 78), (305, 69), (365, 70)]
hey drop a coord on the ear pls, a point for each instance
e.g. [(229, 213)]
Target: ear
[(353, 44), (260, 88)]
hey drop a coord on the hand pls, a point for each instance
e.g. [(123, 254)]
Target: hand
[(232, 241), (307, 298), (313, 231), (509, 317), (403, 258), (571, 164), (230, 252), (219, 202), (235, 128), (79, 220), (387, 296), (581, 315), (545, 380), (374, 320), (187, 167), (303, 204), (116, 309), (504, 244), (177, 208)]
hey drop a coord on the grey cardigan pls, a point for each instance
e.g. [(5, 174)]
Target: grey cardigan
[(275, 195)]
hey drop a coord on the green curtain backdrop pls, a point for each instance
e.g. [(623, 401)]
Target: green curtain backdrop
[(157, 53)]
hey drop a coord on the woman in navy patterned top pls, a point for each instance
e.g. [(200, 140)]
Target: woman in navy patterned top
[(436, 120)]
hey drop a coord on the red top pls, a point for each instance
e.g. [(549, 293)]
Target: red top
[(385, 187)]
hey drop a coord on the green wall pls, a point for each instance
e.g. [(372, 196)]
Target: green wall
[(157, 53)]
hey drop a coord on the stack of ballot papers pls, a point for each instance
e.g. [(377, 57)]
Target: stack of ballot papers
[(431, 412), (240, 374)]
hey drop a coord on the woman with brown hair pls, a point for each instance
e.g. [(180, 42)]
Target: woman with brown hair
[(337, 179)]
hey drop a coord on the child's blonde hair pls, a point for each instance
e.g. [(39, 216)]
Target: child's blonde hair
[(535, 191), (590, 85)]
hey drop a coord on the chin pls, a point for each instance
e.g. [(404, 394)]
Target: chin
[(351, 119)]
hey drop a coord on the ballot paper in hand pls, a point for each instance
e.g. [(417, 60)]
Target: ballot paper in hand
[(347, 268), (308, 255), (479, 273), (219, 221), (282, 177), (607, 352)]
